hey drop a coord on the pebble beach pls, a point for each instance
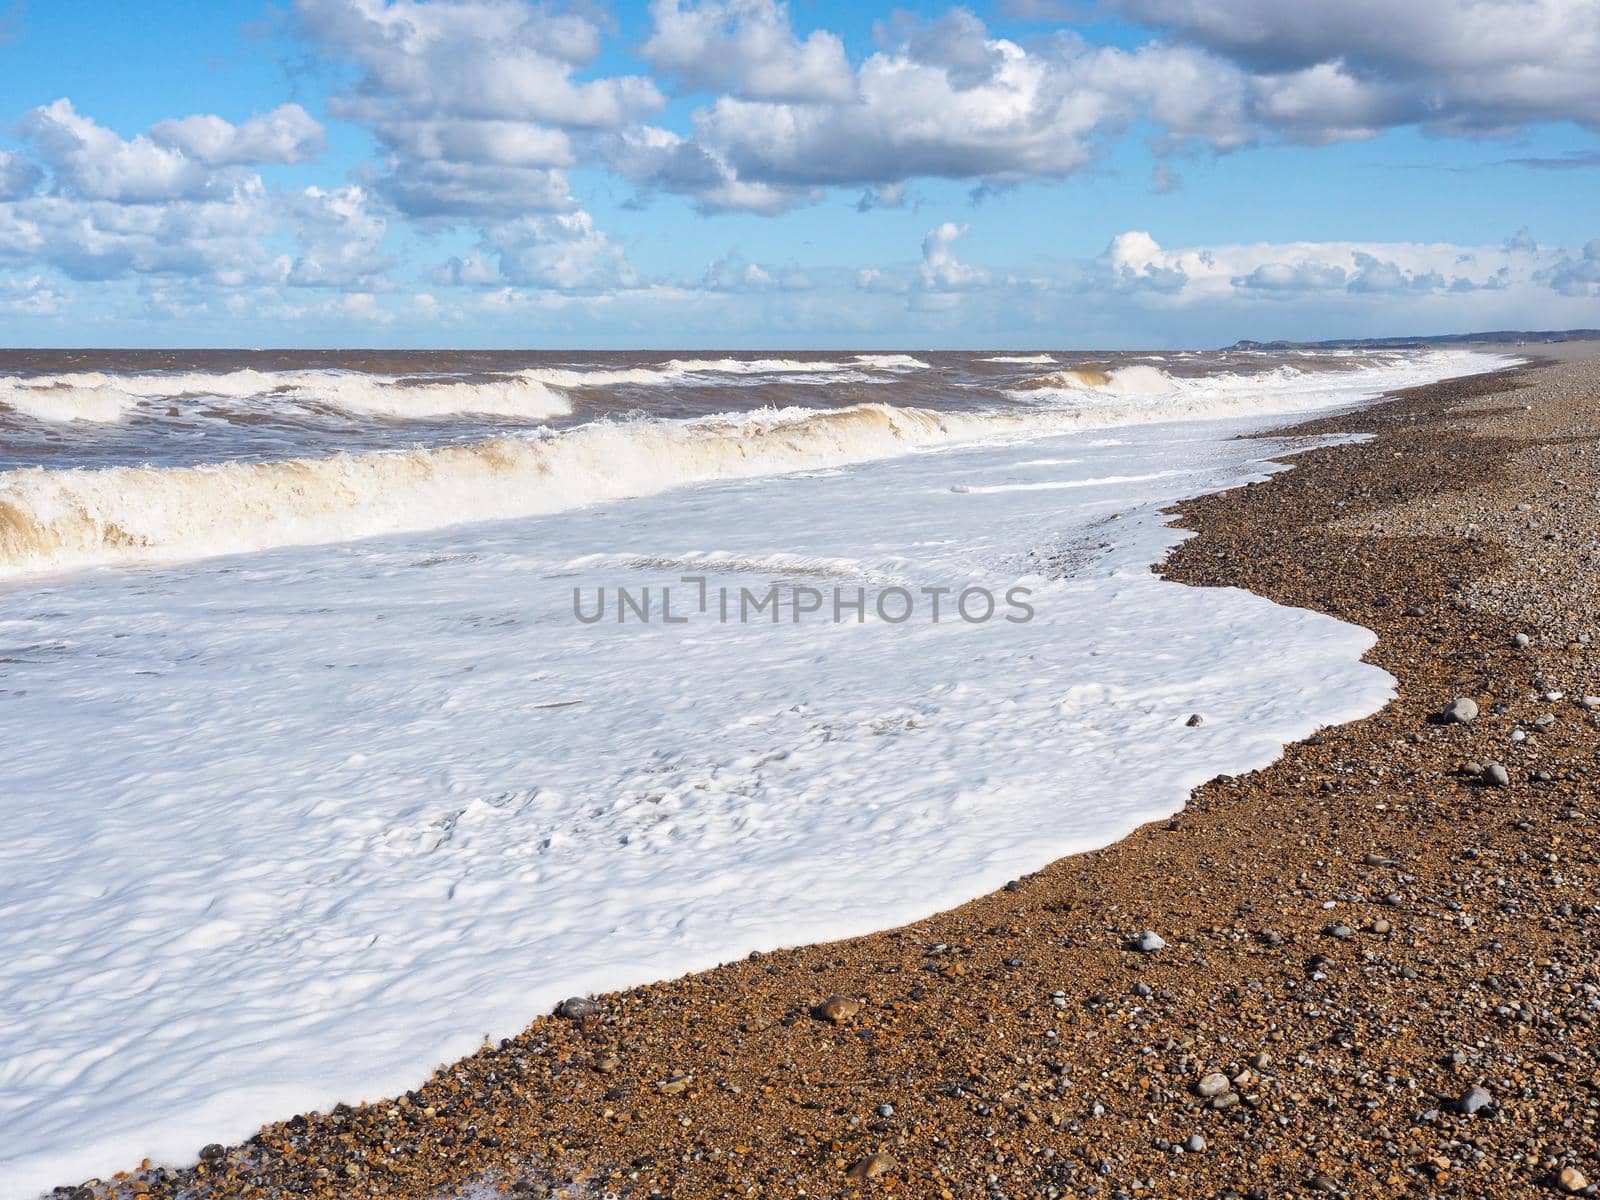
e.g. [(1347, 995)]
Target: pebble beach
[(1369, 969)]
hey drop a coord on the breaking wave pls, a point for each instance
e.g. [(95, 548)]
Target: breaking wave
[(58, 519), (70, 518), (891, 362), (1032, 360), (100, 397), (533, 393), (63, 401), (752, 366), (1135, 380), (514, 396)]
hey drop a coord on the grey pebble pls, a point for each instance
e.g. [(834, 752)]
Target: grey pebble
[(1473, 1101), (576, 1008)]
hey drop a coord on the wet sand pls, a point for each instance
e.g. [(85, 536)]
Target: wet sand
[(1354, 938)]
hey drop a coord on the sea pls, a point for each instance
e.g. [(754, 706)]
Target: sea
[(359, 707)]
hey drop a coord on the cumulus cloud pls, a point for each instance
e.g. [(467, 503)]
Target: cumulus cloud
[(941, 271), (1577, 275), (747, 48), (91, 162), (1294, 277), (941, 99), (732, 273), (563, 252), (947, 99), (1521, 242), (218, 239), (33, 296), (1278, 271), (939, 278), (18, 176), (179, 203), (475, 101), (1455, 65), (340, 239), (287, 134)]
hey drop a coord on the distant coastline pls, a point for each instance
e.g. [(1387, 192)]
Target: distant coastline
[(1497, 337)]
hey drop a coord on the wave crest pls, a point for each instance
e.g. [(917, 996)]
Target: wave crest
[(72, 518), (104, 398), (1135, 380)]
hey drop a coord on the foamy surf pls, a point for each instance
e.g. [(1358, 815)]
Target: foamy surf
[(752, 366), (105, 397), (63, 519), (519, 396), (67, 398), (368, 805), (75, 518), (1136, 380), (892, 362)]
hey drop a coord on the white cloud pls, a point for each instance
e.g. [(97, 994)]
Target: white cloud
[(91, 162), (561, 252), (941, 271), (945, 100), (97, 239), (1269, 271), (474, 270), (1577, 275), (178, 203), (1294, 277), (658, 158), (363, 306), (463, 191), (287, 134), (732, 273), (1457, 65), (34, 296), (748, 48), (340, 240), (18, 176), (474, 100)]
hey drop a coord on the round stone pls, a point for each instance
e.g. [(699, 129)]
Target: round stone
[(1212, 1084)]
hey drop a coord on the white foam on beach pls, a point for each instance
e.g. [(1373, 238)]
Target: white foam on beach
[(295, 827)]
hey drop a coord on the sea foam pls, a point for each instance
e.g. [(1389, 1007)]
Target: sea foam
[(56, 519)]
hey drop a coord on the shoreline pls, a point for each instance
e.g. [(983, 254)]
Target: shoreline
[(725, 1081)]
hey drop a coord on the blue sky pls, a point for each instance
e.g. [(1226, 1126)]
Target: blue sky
[(747, 173)]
